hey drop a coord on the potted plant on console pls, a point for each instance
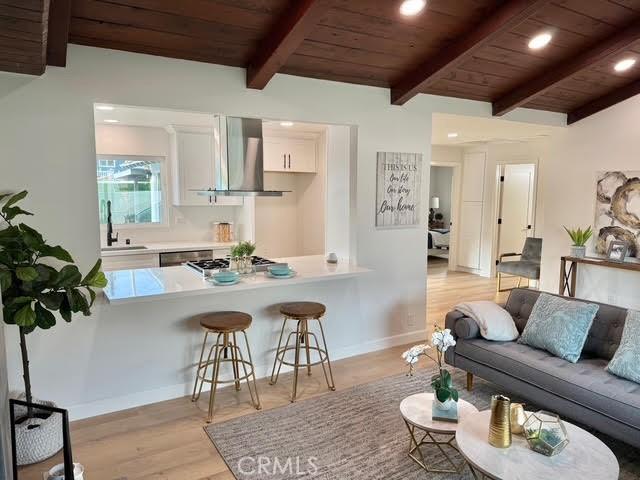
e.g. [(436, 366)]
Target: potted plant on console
[(445, 406), (579, 237), (38, 280)]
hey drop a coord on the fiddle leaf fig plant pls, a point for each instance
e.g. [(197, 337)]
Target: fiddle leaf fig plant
[(33, 289)]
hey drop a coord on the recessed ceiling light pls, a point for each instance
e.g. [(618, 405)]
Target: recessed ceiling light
[(104, 108), (625, 64), (286, 124), (452, 135), (111, 120), (540, 41), (412, 7)]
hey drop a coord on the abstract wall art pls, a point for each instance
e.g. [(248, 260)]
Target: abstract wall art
[(618, 210)]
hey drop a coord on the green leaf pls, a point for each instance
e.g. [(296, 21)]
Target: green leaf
[(44, 318), (9, 235), (5, 279), (68, 276), (65, 309), (26, 274), (31, 237), (46, 273), (78, 302), (92, 296), (25, 317), (454, 394), (99, 281), (15, 199), (442, 394), (7, 315), (52, 300), (56, 252), (92, 273), (12, 212), (18, 301)]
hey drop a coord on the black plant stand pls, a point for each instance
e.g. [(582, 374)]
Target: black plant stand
[(66, 438)]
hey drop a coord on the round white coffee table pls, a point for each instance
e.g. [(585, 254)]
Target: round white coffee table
[(585, 457), (416, 412)]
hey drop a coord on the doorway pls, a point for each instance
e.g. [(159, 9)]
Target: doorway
[(444, 189), (516, 206)]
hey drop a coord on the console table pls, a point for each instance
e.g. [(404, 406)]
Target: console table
[(568, 276)]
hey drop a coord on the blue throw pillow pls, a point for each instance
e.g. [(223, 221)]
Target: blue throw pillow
[(626, 361), (559, 326)]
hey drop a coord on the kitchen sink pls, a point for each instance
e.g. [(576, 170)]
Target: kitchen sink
[(126, 247)]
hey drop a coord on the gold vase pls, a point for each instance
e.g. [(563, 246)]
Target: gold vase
[(518, 418), (500, 423)]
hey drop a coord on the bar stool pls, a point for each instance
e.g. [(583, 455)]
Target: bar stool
[(225, 350), (302, 313)]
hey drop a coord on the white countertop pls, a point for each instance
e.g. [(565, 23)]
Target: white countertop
[(162, 247), (171, 282)]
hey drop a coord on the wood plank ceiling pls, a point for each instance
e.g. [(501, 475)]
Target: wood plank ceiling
[(474, 49)]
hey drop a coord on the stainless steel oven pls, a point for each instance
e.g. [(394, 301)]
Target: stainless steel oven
[(170, 259)]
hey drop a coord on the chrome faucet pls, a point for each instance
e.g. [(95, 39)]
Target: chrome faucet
[(110, 238)]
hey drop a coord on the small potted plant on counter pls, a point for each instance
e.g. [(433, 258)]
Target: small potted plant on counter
[(579, 237), (241, 257), (32, 291)]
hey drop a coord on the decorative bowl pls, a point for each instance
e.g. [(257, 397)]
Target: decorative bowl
[(225, 277), (280, 270)]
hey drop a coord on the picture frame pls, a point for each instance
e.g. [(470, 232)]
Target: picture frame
[(617, 251)]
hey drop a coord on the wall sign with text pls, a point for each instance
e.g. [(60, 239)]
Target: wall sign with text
[(398, 189)]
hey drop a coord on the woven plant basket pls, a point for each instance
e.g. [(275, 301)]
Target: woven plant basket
[(37, 438)]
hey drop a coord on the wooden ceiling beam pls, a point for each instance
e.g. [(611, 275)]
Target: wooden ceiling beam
[(507, 16), (566, 68), (58, 32), (604, 102), (285, 37)]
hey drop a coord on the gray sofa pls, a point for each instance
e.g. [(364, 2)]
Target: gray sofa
[(584, 391)]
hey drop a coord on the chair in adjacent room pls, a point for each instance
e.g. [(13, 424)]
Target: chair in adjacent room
[(528, 266)]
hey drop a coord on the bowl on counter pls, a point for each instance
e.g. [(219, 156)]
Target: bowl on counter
[(225, 276), (280, 270)]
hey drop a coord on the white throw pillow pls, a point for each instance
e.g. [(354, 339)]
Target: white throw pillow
[(495, 322)]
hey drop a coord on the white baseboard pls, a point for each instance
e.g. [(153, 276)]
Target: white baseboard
[(115, 404)]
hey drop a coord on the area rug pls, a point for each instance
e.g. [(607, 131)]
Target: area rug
[(355, 434)]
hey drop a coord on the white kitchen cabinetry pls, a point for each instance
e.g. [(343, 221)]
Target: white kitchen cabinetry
[(290, 154), (125, 262), (192, 166)]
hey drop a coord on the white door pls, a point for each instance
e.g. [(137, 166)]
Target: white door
[(516, 207)]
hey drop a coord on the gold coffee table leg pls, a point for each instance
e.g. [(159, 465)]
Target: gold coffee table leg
[(427, 439)]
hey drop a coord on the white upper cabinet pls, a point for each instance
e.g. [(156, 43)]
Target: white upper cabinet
[(192, 166), (297, 154)]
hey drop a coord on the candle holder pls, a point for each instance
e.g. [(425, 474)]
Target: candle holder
[(545, 433)]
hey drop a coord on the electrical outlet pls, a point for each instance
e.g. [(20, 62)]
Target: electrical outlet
[(411, 320)]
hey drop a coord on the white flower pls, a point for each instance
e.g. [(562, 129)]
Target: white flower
[(442, 339), (412, 355)]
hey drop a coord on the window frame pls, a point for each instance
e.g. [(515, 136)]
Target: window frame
[(164, 183)]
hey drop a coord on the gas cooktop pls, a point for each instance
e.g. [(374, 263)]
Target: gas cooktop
[(207, 267)]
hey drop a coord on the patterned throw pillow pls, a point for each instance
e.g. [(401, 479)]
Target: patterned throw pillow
[(559, 326), (626, 361)]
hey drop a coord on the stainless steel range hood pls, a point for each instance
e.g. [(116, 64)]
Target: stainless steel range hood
[(238, 159)]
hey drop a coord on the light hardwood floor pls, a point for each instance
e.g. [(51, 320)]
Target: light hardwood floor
[(166, 440)]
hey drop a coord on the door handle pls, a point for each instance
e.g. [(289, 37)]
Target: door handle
[(284, 160), (289, 160)]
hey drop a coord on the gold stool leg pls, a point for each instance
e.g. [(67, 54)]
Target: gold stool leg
[(296, 362), (195, 385), (214, 378), (332, 385), (234, 362), (273, 381), (306, 345), (256, 403), (206, 369)]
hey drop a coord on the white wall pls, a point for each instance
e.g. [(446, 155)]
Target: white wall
[(606, 141), (381, 309), (5, 442)]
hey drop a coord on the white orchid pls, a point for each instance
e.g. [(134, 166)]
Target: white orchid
[(442, 339), (412, 355)]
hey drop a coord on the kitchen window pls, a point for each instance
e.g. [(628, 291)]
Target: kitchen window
[(135, 186)]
